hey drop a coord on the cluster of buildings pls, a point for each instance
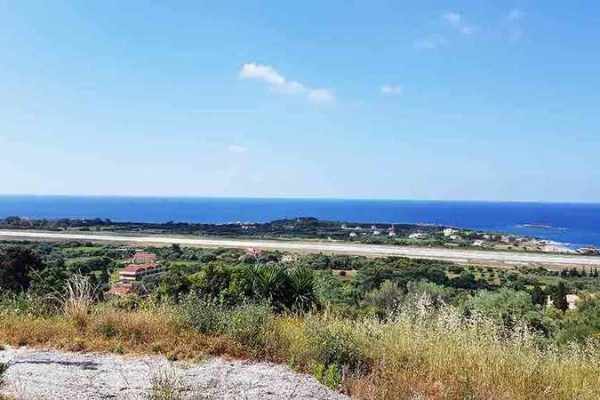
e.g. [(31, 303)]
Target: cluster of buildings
[(141, 267), (374, 231)]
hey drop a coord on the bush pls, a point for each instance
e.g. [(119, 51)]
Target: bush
[(334, 342), (166, 385), (247, 324), (205, 315)]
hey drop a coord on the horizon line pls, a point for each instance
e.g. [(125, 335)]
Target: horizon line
[(249, 197)]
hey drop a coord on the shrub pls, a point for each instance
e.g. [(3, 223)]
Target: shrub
[(205, 315), (334, 342), (166, 385), (247, 324)]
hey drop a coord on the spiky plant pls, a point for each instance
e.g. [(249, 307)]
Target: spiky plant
[(301, 285)]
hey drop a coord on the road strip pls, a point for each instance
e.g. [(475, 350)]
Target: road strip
[(455, 255)]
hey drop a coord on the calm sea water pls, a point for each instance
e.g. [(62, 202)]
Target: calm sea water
[(575, 224)]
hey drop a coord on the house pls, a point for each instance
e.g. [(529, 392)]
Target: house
[(478, 243), (136, 272), (352, 234), (449, 232), (417, 235)]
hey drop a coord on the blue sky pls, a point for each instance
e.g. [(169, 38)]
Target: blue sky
[(440, 100)]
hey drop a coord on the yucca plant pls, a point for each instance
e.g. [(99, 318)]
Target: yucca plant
[(301, 285)]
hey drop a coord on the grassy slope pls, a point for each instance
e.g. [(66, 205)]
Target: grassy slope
[(419, 354)]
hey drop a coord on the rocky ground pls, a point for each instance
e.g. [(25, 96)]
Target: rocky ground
[(49, 375)]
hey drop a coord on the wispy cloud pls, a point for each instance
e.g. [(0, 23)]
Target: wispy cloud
[(458, 22), (234, 148), (430, 42), (279, 83), (391, 90)]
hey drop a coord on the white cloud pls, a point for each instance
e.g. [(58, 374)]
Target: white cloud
[(391, 90), (457, 21), (234, 148), (281, 84), (321, 96), (430, 42)]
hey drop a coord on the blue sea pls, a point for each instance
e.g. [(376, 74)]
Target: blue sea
[(573, 224)]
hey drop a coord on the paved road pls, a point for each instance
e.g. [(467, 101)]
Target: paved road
[(456, 255)]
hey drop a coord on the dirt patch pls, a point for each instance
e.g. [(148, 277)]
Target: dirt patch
[(50, 375)]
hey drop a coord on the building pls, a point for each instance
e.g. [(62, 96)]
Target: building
[(449, 232), (137, 272)]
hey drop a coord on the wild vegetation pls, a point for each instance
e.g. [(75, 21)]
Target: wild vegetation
[(388, 328)]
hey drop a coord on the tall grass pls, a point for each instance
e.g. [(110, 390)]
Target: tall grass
[(78, 299), (436, 354), (419, 353)]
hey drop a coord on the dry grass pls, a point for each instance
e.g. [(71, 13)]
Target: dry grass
[(418, 355), (138, 332), (78, 299)]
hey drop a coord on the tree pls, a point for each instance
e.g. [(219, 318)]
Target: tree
[(16, 267), (538, 296), (559, 297), (505, 305)]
